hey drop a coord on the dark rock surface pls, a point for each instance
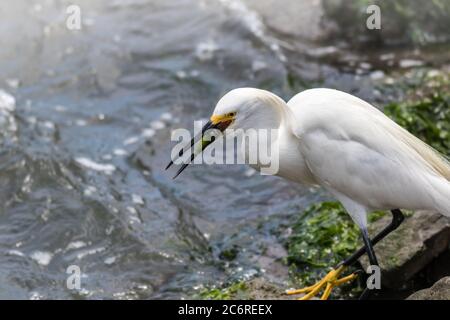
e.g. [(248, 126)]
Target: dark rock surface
[(409, 249), (261, 289), (439, 291)]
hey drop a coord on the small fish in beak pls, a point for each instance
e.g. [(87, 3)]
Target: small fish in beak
[(216, 122)]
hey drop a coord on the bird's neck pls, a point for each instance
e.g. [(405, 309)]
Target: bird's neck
[(283, 155), (292, 165)]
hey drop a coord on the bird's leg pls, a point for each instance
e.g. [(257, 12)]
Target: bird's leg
[(369, 247), (331, 279), (372, 258), (397, 219)]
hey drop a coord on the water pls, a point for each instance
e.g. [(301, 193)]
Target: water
[(85, 122)]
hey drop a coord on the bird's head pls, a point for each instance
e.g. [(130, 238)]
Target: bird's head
[(246, 108), (242, 108)]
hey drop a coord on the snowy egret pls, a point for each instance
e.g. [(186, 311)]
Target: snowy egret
[(335, 140)]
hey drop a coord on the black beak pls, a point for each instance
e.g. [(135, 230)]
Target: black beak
[(207, 126)]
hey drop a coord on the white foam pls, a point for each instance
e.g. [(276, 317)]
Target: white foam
[(323, 51), (60, 108), (89, 191), (409, 63), (43, 258), (377, 75), (387, 56), (36, 296), (110, 260), (32, 120), (258, 65), (167, 116), (205, 50), (365, 65), (107, 157), (120, 152), (181, 74), (48, 125), (148, 133), (157, 125), (194, 73), (16, 253), (90, 252), (13, 83), (131, 140), (75, 245), (88, 163), (131, 210), (137, 199), (255, 24), (7, 101), (81, 122)]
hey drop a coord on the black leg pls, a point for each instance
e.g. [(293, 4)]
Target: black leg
[(369, 248), (372, 259), (397, 219)]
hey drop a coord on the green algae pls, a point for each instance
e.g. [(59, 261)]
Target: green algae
[(322, 236), (428, 119), (235, 290)]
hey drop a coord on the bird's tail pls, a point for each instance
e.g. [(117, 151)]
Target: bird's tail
[(441, 195), (436, 161), (439, 166)]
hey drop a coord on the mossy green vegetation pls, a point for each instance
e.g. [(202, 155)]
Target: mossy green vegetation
[(428, 119), (236, 290), (427, 114), (322, 236)]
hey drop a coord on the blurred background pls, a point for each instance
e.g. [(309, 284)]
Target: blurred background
[(86, 117)]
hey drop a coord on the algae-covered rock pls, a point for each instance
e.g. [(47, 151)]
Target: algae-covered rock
[(255, 289), (321, 237), (402, 21), (439, 291), (236, 290), (410, 248)]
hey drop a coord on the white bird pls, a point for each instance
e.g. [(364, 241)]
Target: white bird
[(335, 140)]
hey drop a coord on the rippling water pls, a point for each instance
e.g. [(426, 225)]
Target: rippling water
[(85, 121)]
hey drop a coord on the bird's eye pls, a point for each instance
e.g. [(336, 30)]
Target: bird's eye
[(231, 114)]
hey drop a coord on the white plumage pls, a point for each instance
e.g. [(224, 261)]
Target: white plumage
[(330, 138), (342, 143)]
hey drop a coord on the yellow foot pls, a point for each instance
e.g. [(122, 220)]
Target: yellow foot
[(328, 282)]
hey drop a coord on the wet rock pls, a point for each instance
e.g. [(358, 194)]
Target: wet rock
[(402, 22), (291, 17), (261, 289), (271, 262), (409, 249), (439, 291)]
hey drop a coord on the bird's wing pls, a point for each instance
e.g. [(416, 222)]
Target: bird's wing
[(354, 149)]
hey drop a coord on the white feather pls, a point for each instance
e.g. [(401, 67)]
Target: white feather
[(357, 151), (336, 140)]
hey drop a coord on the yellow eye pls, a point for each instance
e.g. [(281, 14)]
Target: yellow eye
[(231, 114)]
